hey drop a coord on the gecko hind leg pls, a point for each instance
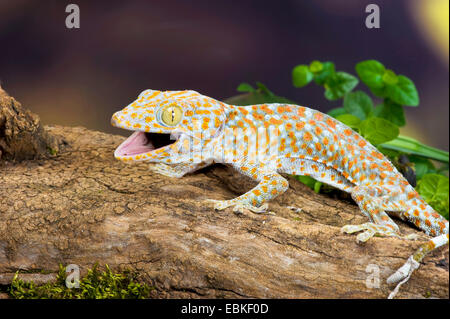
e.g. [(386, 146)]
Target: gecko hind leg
[(372, 202)]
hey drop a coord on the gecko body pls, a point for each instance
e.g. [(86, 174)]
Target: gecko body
[(262, 141)]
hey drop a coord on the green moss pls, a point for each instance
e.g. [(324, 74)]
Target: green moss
[(96, 284), (52, 151)]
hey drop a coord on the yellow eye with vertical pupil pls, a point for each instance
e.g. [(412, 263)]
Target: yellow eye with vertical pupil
[(171, 115)]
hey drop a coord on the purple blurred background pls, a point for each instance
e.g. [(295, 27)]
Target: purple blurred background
[(81, 76)]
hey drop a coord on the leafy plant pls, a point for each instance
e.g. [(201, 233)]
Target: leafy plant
[(378, 123), (95, 285)]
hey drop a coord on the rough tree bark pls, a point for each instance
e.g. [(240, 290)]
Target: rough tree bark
[(21, 133), (82, 206)]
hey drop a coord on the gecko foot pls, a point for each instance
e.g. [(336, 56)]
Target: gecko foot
[(239, 207), (371, 230), (402, 275), (166, 170)]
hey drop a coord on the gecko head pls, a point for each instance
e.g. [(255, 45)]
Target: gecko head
[(159, 119), (156, 122)]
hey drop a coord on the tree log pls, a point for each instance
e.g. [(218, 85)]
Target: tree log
[(82, 206)]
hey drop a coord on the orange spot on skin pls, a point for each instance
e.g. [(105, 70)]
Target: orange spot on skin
[(318, 147), (318, 116), (377, 155), (348, 132), (301, 111), (200, 111), (318, 130), (256, 192), (266, 109), (300, 125), (243, 111), (258, 116), (331, 123), (275, 121), (362, 143), (307, 136)]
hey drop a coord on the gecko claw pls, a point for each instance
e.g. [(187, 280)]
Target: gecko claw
[(239, 207)]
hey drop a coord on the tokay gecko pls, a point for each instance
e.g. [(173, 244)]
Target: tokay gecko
[(183, 131)]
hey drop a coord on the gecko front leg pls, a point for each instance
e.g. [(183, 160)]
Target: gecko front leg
[(271, 184)]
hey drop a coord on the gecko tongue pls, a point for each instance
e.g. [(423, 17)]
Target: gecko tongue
[(137, 143)]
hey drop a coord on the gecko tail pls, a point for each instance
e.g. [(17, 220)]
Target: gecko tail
[(403, 274)]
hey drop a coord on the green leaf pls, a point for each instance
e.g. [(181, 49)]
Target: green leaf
[(301, 75), (310, 182), (327, 71), (307, 180), (392, 154), (377, 130), (336, 112), (404, 92), (258, 96), (391, 111), (390, 78), (245, 87), (422, 166), (264, 89), (338, 84), (359, 104), (349, 120), (434, 188), (371, 73), (315, 66), (317, 186), (409, 145)]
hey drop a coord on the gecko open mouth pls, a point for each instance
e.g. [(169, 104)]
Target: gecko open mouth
[(142, 142)]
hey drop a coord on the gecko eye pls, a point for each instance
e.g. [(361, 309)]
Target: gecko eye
[(171, 115)]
